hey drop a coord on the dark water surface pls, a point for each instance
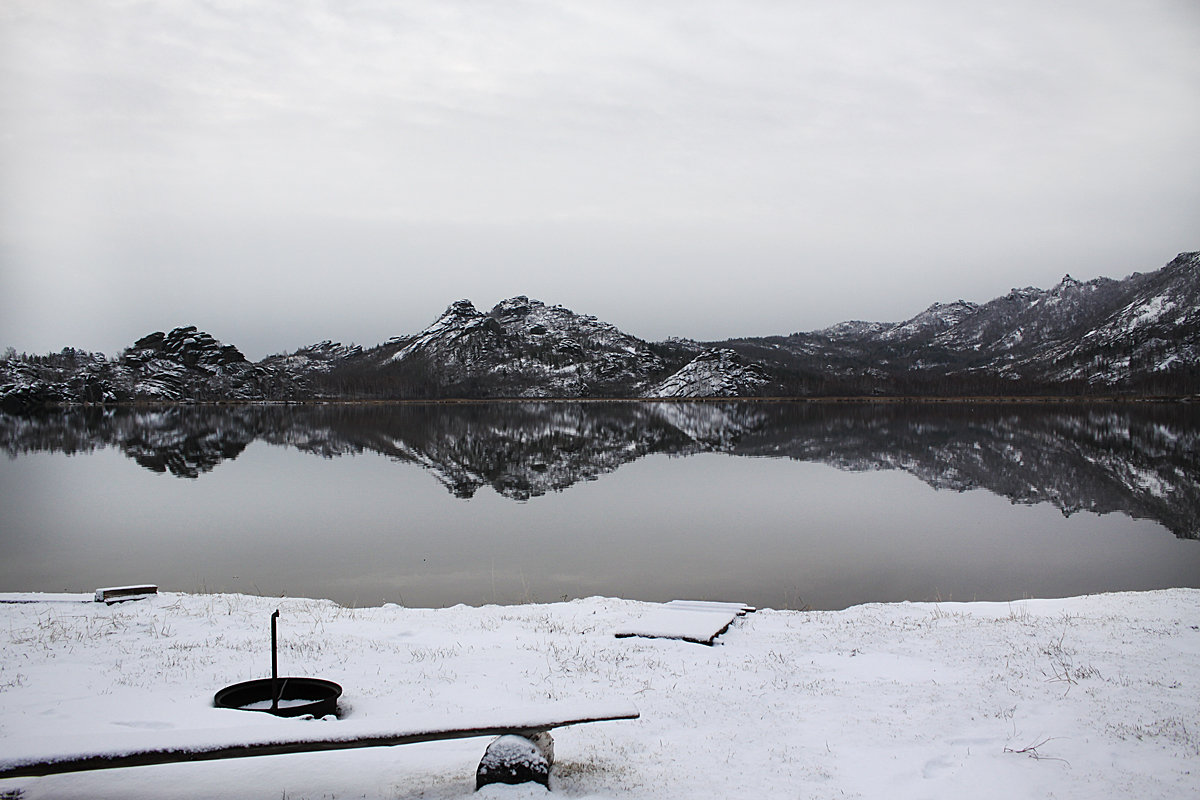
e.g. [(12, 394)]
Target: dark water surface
[(775, 504)]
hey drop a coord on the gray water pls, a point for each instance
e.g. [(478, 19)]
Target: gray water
[(776, 505)]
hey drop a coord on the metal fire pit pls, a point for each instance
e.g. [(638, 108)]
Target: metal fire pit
[(283, 697)]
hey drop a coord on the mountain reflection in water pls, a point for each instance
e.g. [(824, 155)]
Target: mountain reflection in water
[(1142, 460)]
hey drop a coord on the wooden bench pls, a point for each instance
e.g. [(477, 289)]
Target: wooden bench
[(121, 594), (502, 763)]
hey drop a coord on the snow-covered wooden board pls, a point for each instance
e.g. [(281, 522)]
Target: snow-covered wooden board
[(741, 609), (699, 625), (110, 595), (120, 594), (37, 756)]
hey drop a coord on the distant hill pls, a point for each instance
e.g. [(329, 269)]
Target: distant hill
[(1139, 335)]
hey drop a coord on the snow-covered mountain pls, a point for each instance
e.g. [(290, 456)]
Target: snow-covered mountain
[(934, 320), (1153, 328), (525, 348), (182, 365), (1139, 335), (713, 373)]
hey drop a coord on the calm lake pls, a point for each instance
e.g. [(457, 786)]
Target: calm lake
[(783, 505)]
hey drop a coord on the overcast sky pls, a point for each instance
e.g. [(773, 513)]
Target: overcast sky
[(283, 172)]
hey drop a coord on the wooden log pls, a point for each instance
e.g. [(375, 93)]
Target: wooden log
[(701, 626), (167, 753)]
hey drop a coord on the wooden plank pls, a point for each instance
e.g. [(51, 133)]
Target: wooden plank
[(168, 754), (700, 626), (741, 609), (119, 594)]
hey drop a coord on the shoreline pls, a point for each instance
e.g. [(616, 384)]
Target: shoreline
[(1084, 697)]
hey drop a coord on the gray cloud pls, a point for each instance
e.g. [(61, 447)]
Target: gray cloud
[(280, 172)]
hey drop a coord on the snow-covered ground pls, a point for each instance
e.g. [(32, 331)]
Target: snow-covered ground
[(1090, 697)]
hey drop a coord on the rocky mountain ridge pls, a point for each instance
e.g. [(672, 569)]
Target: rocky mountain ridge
[(1139, 335)]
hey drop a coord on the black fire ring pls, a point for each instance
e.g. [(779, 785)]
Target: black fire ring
[(283, 697), (293, 697)]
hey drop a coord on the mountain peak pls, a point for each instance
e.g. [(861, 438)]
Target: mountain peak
[(186, 345), (1185, 262), (516, 303), (461, 308), (717, 372), (938, 317)]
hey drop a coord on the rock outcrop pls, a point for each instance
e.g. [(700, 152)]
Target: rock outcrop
[(713, 373)]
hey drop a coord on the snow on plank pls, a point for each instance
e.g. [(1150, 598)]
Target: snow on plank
[(692, 621), (39, 756), (110, 595), (119, 594), (741, 609)]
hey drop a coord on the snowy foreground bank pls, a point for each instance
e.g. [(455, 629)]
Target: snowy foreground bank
[(1088, 697)]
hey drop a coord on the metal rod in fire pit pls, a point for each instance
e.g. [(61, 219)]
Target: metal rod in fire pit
[(274, 664)]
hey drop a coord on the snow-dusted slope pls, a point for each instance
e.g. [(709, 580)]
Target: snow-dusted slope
[(933, 320), (1154, 331), (525, 348), (182, 365), (1140, 334), (713, 373), (319, 358)]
